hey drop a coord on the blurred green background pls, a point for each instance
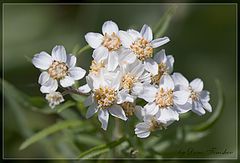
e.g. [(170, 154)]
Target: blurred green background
[(203, 43)]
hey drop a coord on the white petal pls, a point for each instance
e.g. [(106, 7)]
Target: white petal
[(50, 86), (101, 53), (169, 63), (142, 129), (181, 97), (139, 112), (183, 108), (137, 89), (94, 39), (151, 108), (149, 93), (89, 100), (84, 89), (207, 106), (179, 79), (91, 111), (197, 85), (134, 34), (168, 114), (126, 57), (77, 73), (118, 112), (197, 108), (137, 68), (159, 42), (124, 96), (126, 39), (42, 60), (146, 32), (59, 53), (89, 81), (43, 78), (151, 66), (110, 27), (71, 60), (103, 117), (166, 82), (160, 57), (112, 61), (67, 81), (204, 95)]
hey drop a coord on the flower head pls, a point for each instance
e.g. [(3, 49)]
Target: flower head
[(141, 44), (164, 99), (104, 98), (54, 98), (106, 44), (198, 99), (57, 67)]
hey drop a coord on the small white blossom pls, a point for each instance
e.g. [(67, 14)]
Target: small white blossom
[(106, 44), (160, 65), (132, 79), (104, 98), (150, 123), (141, 44), (54, 98), (198, 99), (57, 67), (164, 99)]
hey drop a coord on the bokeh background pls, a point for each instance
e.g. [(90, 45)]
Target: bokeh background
[(203, 42)]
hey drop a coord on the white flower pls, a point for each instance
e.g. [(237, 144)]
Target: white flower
[(164, 99), (141, 44), (159, 66), (132, 78), (150, 123), (131, 108), (198, 98), (104, 98), (57, 67), (106, 44), (54, 98)]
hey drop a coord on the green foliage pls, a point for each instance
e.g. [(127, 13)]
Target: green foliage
[(97, 150), (50, 130), (164, 22)]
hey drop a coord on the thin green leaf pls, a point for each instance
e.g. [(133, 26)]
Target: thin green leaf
[(216, 114), (100, 149), (83, 49), (64, 106), (164, 22), (50, 130)]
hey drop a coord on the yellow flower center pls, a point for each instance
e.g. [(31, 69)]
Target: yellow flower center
[(105, 96), (96, 67), (112, 42), (194, 95), (128, 108), (155, 125), (162, 68), (164, 98), (58, 70), (142, 48), (127, 81)]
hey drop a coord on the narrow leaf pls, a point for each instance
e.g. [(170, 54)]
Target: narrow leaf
[(100, 149), (64, 106), (164, 22), (50, 130), (83, 49)]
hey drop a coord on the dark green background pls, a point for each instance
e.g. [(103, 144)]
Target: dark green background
[(203, 43)]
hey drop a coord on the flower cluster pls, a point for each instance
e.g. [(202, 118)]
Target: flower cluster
[(125, 68)]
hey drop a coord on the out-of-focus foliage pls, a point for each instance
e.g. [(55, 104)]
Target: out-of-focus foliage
[(202, 42)]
